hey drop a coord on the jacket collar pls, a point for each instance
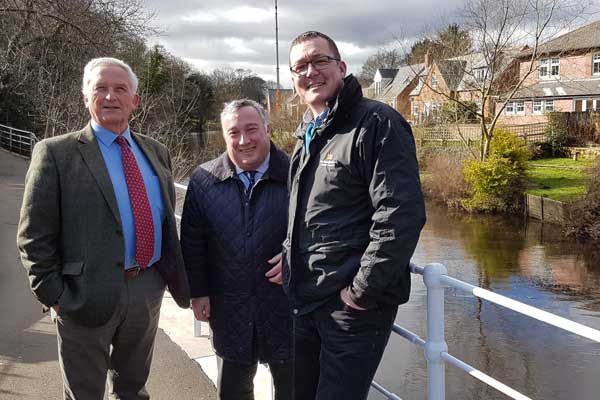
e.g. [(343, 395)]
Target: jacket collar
[(278, 167)]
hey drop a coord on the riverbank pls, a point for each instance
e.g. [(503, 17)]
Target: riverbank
[(560, 179)]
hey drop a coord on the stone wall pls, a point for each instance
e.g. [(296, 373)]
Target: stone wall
[(590, 153)]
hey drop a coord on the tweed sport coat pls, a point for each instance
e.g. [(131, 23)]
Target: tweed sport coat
[(70, 235)]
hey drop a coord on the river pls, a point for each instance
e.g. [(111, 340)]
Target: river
[(521, 259)]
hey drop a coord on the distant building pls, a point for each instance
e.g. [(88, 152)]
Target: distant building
[(277, 99), (566, 77)]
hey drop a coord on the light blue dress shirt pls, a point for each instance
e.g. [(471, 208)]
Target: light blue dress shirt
[(260, 171), (111, 152)]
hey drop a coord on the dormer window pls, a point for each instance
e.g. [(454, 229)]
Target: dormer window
[(549, 68)]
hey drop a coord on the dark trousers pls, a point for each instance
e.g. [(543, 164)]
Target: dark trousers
[(235, 381), (119, 352), (337, 350)]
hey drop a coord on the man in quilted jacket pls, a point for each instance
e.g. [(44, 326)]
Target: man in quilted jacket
[(234, 221)]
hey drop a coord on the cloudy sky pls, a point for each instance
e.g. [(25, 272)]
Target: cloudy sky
[(241, 34), (213, 34)]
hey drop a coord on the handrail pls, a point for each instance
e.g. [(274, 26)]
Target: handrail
[(436, 279), (17, 140)]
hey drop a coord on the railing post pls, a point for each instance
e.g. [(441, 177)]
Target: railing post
[(436, 343)]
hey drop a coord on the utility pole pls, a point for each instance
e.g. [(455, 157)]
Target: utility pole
[(277, 43)]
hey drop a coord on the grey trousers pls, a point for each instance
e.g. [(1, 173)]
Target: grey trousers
[(118, 353)]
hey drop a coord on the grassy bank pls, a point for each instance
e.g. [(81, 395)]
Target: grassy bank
[(561, 179)]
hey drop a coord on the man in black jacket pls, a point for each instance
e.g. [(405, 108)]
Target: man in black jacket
[(355, 215), (233, 223)]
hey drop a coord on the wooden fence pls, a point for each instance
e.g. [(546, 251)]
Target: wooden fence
[(471, 133)]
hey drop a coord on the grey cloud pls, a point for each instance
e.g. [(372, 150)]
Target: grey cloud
[(367, 25)]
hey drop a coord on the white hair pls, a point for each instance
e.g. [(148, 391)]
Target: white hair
[(107, 61)]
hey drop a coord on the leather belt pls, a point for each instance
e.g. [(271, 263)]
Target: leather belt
[(134, 272)]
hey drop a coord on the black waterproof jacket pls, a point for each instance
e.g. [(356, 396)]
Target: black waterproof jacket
[(356, 206), (226, 241)]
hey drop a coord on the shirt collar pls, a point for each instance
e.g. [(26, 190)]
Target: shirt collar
[(106, 136), (262, 168), (308, 117)]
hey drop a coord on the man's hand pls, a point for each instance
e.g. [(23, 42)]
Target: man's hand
[(274, 274), (348, 301), (201, 307)]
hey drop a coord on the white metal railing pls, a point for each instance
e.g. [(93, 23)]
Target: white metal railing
[(436, 278), (17, 140), (436, 350)]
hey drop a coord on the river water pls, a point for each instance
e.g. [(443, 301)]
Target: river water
[(521, 259)]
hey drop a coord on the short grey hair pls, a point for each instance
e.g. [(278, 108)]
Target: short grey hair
[(107, 61), (233, 106)]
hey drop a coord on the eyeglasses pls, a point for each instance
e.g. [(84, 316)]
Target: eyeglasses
[(318, 63)]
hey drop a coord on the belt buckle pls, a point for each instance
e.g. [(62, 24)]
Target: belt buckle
[(133, 272)]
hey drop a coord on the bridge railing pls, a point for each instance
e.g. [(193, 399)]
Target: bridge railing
[(436, 279), (17, 140)]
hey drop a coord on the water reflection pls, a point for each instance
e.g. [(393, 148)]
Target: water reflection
[(524, 260)]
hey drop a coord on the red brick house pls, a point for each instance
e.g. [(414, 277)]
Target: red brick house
[(566, 77)]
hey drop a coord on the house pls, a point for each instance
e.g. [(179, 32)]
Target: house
[(461, 78), (393, 86), (565, 77), (276, 99)]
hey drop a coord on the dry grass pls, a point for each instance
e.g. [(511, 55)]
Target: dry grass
[(444, 179)]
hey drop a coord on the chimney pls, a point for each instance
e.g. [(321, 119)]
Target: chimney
[(427, 59)]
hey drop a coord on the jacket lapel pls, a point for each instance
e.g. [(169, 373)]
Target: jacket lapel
[(90, 152)]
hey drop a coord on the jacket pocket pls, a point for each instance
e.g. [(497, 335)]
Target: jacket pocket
[(74, 293), (72, 268)]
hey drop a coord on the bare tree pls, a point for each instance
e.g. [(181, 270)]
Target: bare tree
[(500, 65), (44, 45)]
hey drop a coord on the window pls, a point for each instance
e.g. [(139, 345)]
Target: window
[(520, 107), (416, 109), (549, 68), (480, 74), (510, 108), (596, 64), (434, 81), (543, 106)]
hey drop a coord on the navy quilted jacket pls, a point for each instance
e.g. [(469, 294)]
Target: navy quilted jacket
[(226, 241)]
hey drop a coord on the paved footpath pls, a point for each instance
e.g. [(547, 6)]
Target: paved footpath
[(28, 358)]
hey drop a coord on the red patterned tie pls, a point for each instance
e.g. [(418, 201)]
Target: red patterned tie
[(142, 215)]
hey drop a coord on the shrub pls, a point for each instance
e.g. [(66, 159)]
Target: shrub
[(444, 180), (584, 215), (498, 183), (557, 133)]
